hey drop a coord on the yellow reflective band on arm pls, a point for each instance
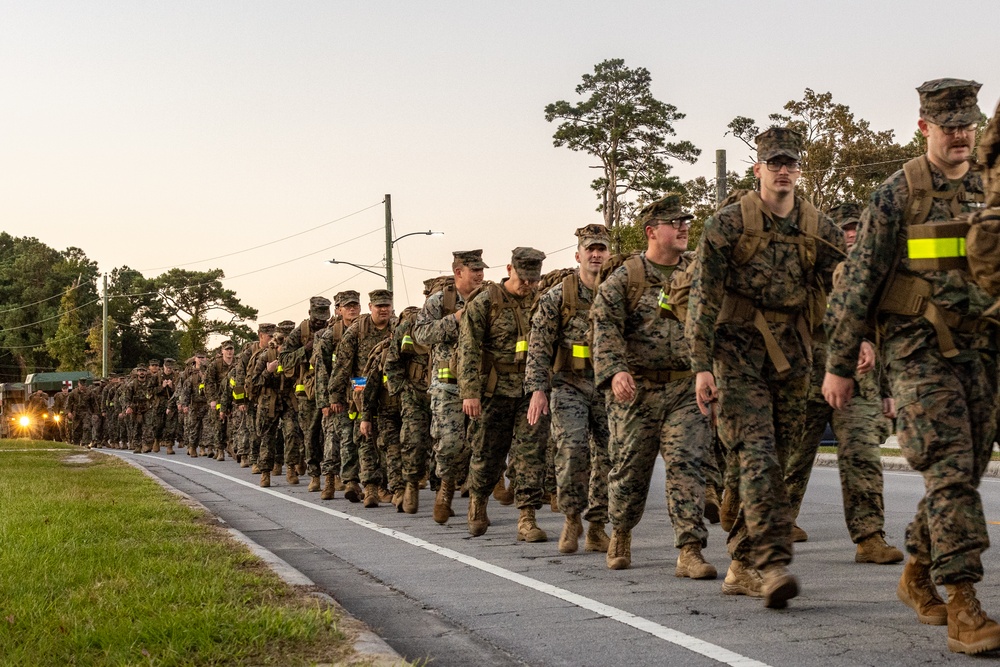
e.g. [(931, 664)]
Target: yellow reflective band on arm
[(445, 374), (352, 415), (936, 248), (238, 397), (201, 386), (385, 379), (310, 367), (522, 346), (232, 382), (218, 406), (280, 369), (300, 388), (407, 339), (663, 300), (581, 351)]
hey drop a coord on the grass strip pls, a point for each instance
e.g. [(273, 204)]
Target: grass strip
[(99, 565), (889, 451)]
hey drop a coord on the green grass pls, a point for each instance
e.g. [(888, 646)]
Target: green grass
[(101, 566), (888, 451)]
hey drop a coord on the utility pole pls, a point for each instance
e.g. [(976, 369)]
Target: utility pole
[(104, 333), (388, 242), (720, 176)]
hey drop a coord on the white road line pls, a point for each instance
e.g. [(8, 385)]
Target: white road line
[(725, 656)]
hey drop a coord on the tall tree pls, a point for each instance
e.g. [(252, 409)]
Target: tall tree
[(66, 346), (628, 130), (844, 158), (143, 328)]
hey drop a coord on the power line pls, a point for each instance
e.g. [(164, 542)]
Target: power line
[(307, 255), (263, 245), (48, 298), (307, 298)]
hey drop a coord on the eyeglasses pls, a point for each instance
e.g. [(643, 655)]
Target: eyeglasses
[(964, 129), (679, 224), (776, 165)]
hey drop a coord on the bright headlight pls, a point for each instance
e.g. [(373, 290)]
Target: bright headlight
[(24, 420), (57, 418)]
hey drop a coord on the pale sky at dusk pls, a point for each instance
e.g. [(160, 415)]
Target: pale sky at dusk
[(156, 134)]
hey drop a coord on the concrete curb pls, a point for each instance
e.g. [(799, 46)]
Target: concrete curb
[(898, 463), (370, 649)]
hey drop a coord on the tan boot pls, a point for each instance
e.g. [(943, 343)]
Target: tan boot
[(371, 495), (292, 476), (742, 580), (265, 479), (276, 470), (255, 470), (503, 495), (245, 462), (690, 563), (554, 502), (569, 539), (300, 468), (220, 454), (917, 591), (620, 549), (397, 499), (596, 540), (729, 510), (711, 504), (799, 535), (314, 484), (146, 449), (328, 490), (192, 452), (527, 527), (339, 485), (478, 521), (778, 586), (386, 496), (442, 501), (156, 447), (170, 449), (353, 492), (411, 497), (970, 630), (873, 549)]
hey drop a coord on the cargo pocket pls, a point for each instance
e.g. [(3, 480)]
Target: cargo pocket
[(915, 427)]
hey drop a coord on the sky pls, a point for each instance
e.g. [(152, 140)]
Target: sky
[(163, 134)]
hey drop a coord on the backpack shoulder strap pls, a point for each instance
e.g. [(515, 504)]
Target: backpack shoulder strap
[(637, 284), (449, 302), (570, 300), (920, 185), (753, 229)]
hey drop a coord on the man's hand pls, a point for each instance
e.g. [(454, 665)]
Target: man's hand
[(272, 366), (458, 314), (472, 407), (705, 392), (366, 429), (326, 411), (538, 406), (243, 407), (184, 409), (623, 386), (212, 404), (168, 412), (128, 411), (866, 358), (837, 390), (889, 407), (337, 408)]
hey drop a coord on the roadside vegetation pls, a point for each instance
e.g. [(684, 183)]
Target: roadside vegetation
[(99, 565)]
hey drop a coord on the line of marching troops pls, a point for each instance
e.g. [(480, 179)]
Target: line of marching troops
[(569, 385)]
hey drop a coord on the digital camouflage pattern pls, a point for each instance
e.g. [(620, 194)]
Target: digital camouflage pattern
[(663, 418), (325, 345), (407, 365), (946, 407), (275, 392), (760, 411)]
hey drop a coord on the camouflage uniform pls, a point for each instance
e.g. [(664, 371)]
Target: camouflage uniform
[(59, 403), (493, 324), (761, 411), (248, 439), (382, 409), (579, 416), (138, 398), (946, 404), (275, 396), (339, 456), (216, 388), (407, 373), (663, 417), (191, 395)]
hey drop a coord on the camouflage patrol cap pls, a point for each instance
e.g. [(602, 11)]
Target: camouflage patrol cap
[(470, 258), (347, 297), (285, 326), (200, 353), (846, 214), (380, 297), (593, 235), (666, 209), (227, 345), (950, 102), (319, 308), (153, 362), (169, 363), (528, 263), (141, 368), (266, 328), (779, 141)]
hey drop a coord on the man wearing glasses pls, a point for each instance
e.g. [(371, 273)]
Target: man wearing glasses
[(749, 325), (909, 271)]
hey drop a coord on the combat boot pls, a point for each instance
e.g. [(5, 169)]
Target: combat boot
[(371, 495), (778, 586), (873, 549), (328, 490), (742, 580), (314, 483), (300, 467), (970, 630), (146, 449), (411, 497), (156, 446), (220, 454), (690, 563), (339, 485), (192, 452), (137, 450), (528, 530), (397, 499), (292, 476), (478, 521), (210, 452), (711, 504), (569, 540), (620, 549), (596, 540), (170, 449), (503, 495), (276, 470), (729, 510), (244, 462), (554, 502), (442, 502), (255, 469), (917, 591), (265, 479), (353, 492), (386, 496), (799, 535)]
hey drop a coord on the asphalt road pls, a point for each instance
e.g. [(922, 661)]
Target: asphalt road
[(435, 593)]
